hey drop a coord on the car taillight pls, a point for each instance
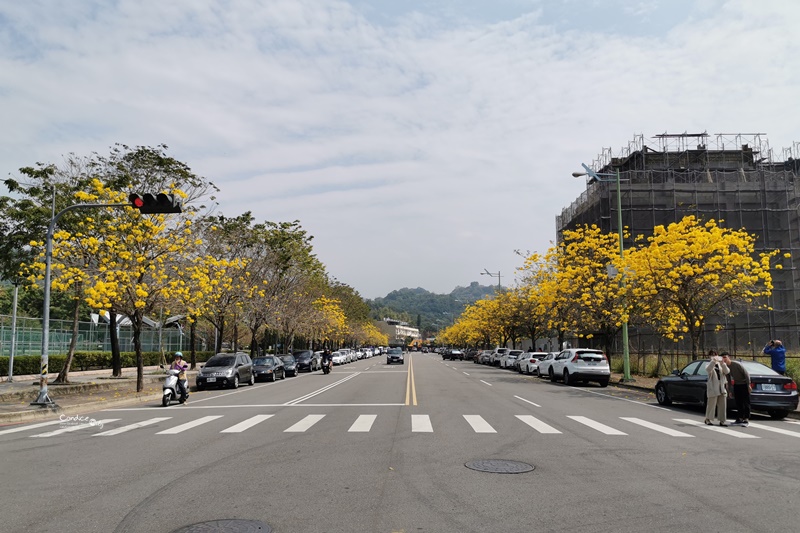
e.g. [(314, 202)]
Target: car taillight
[(790, 386)]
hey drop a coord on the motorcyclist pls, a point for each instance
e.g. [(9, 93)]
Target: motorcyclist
[(327, 359), (179, 365)]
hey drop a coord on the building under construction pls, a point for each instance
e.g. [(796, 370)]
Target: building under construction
[(736, 178)]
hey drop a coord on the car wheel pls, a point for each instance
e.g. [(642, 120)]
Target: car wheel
[(603, 383), (235, 384), (199, 387), (566, 377), (552, 374), (283, 374), (272, 378), (252, 380), (661, 395), (778, 414)]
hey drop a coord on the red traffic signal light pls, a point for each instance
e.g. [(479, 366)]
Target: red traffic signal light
[(149, 204)]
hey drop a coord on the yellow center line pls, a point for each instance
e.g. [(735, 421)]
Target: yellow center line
[(411, 389)]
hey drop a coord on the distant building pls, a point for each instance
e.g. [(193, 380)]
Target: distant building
[(397, 331), (736, 178)]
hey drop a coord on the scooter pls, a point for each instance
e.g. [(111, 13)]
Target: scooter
[(326, 367), (171, 388)]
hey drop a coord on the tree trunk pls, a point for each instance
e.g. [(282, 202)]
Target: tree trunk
[(192, 340), (220, 327), (116, 358), (63, 376), (136, 324)]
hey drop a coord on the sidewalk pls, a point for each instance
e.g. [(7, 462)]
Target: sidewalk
[(87, 391)]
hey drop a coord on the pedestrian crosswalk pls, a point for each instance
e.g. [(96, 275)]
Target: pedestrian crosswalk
[(419, 423)]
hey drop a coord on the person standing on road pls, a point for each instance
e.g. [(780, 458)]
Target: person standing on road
[(716, 390), (777, 352), (741, 390)]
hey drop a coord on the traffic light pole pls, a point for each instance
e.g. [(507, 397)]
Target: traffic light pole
[(44, 400)]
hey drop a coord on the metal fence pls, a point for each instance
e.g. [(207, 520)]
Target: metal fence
[(91, 337)]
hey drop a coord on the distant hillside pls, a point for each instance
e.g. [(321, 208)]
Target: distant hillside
[(427, 310)]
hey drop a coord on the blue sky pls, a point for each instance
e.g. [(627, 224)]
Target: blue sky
[(420, 142)]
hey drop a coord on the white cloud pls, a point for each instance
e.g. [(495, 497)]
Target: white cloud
[(420, 144)]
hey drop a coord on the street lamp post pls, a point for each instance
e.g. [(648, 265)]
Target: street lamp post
[(626, 360), (487, 273)]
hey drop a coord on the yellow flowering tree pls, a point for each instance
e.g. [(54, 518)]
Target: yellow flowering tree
[(692, 270)]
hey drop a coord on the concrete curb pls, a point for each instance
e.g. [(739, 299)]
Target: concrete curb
[(74, 388), (45, 413)]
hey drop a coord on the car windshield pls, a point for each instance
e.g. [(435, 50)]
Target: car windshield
[(303, 357), (221, 361), (263, 361), (287, 359), (395, 350)]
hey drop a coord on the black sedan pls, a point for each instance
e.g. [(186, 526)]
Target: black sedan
[(769, 391), (268, 367), (289, 364), (307, 360)]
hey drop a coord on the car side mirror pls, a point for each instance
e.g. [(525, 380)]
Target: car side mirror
[(676, 372)]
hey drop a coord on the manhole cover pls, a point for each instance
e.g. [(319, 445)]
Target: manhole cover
[(226, 526), (500, 466)]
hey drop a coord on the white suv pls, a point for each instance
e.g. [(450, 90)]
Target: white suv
[(496, 355), (580, 365)]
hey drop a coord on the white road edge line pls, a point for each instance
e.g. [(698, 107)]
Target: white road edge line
[(527, 401), (485, 383)]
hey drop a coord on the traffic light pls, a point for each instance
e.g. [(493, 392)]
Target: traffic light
[(149, 204)]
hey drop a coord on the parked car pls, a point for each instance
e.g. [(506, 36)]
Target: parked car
[(509, 358), (484, 358), (529, 362), (583, 365), (308, 360), (289, 364), (770, 392), (544, 364), (226, 370), (394, 355), (338, 358), (496, 355), (269, 367), (452, 355)]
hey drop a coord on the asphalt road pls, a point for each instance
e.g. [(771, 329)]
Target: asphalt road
[(371, 448)]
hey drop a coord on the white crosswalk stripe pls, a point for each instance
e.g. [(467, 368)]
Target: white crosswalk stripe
[(479, 424), (304, 424), (538, 425), (738, 434), (602, 428), (775, 430), (247, 424), (76, 427), (32, 426), (655, 427), (188, 425), (137, 425), (363, 424), (421, 424)]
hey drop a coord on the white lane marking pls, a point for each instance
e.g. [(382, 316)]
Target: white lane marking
[(655, 427), (32, 426), (588, 391), (775, 430), (792, 421), (602, 428), (264, 405), (130, 427), (320, 391), (363, 424), (718, 429), (246, 424), (75, 428), (304, 424), (527, 401), (485, 383), (189, 425), (421, 424), (479, 424), (538, 425), (465, 373)]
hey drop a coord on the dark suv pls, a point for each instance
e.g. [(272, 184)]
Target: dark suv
[(394, 355), (226, 370)]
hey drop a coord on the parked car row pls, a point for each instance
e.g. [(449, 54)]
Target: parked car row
[(573, 365)]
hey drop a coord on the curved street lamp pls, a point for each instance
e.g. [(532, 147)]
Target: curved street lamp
[(602, 177)]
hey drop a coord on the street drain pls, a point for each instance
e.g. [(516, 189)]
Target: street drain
[(500, 466), (226, 526)]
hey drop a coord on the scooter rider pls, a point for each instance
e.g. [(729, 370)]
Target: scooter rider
[(327, 359), (178, 364)]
